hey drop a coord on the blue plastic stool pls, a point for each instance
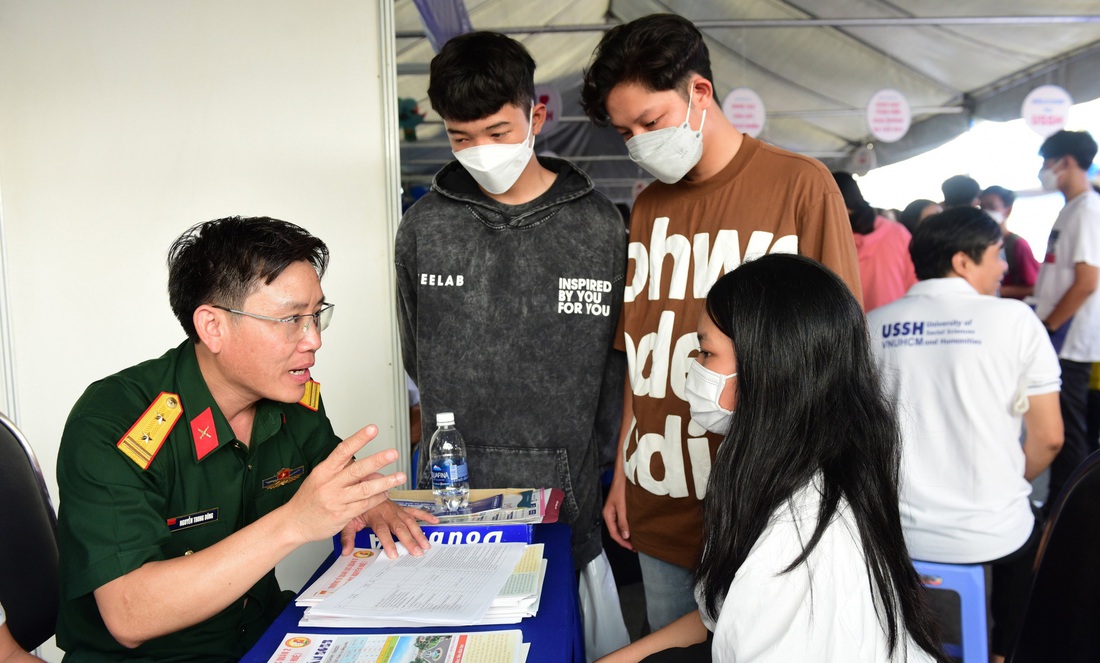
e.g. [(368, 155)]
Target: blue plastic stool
[(968, 581)]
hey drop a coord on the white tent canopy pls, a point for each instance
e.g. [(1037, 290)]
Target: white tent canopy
[(814, 63)]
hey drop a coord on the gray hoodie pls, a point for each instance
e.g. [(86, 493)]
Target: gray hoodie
[(507, 316)]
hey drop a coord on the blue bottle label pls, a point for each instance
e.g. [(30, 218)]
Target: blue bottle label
[(447, 472)]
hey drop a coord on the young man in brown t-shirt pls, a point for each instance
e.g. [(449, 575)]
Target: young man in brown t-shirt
[(722, 198)]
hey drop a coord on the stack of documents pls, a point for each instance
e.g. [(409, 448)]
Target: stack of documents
[(495, 646), (472, 584)]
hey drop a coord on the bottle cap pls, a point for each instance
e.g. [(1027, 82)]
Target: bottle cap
[(445, 419)]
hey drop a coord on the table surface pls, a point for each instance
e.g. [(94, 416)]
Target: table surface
[(555, 633)]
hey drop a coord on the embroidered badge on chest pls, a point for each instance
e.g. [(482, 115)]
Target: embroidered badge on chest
[(283, 477)]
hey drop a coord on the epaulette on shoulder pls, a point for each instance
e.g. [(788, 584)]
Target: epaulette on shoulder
[(148, 434), (312, 398)]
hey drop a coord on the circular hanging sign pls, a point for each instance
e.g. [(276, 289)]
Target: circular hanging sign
[(549, 95), (745, 111), (888, 115), (1046, 108)]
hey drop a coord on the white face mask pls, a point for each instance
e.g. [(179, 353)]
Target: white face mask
[(668, 154), (703, 389), (995, 215), (1049, 179), (496, 167)]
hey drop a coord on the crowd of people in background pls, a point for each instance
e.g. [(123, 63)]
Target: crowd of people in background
[(885, 265), (987, 338)]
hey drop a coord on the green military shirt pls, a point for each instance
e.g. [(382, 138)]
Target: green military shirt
[(200, 486)]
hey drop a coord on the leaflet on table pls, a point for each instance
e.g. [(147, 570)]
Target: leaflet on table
[(447, 585), (474, 509), (515, 505), (518, 598), (484, 647)]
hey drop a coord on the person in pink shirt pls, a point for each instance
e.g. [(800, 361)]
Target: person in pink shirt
[(885, 268)]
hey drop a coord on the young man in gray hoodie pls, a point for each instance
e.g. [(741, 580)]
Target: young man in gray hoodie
[(509, 281)]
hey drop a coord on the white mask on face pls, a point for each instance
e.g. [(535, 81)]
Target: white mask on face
[(995, 215), (668, 154), (496, 167), (1049, 179), (703, 389)]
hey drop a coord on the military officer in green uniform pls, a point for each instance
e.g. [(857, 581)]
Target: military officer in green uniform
[(185, 479)]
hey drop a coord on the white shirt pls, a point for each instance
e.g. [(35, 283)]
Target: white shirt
[(1074, 238), (960, 366), (821, 611)]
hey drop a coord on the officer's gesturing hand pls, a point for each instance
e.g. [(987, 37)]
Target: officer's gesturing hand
[(341, 488)]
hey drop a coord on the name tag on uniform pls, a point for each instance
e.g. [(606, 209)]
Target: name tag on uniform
[(192, 519)]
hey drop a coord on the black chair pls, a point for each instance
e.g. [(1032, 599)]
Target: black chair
[(1060, 623), (29, 588)]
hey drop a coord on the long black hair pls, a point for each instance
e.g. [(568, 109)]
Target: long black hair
[(808, 401)]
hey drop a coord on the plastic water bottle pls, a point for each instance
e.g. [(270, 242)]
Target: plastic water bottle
[(450, 481)]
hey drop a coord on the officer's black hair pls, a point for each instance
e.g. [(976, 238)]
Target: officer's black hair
[(222, 262)]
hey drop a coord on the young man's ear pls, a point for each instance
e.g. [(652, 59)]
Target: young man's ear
[(702, 93), (211, 326), (538, 118)]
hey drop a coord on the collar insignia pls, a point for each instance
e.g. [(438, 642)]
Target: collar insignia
[(204, 434)]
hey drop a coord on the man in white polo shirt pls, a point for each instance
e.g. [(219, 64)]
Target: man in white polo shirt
[(965, 368)]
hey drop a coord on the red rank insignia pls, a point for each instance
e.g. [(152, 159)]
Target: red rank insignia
[(204, 434)]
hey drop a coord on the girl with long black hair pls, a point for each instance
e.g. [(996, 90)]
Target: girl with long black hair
[(804, 558)]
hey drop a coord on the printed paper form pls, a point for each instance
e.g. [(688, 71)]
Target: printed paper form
[(504, 610), (513, 612), (448, 585), (342, 570), (524, 585)]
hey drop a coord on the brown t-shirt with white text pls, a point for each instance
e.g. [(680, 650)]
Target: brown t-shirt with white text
[(683, 237)]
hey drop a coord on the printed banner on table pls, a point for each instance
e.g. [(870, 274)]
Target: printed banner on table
[(485, 647)]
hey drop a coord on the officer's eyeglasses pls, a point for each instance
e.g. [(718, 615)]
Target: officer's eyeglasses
[(296, 326)]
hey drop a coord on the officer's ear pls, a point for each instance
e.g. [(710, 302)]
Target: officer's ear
[(211, 325)]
